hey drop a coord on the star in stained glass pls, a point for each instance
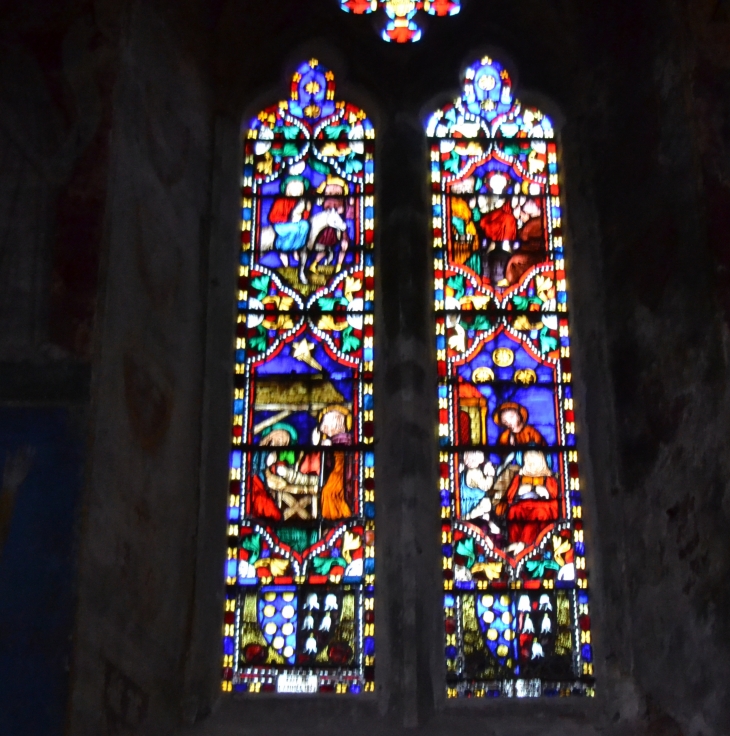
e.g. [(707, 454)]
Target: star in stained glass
[(401, 26)]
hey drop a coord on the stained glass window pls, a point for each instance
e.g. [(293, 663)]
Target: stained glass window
[(299, 611), (401, 25), (516, 599)]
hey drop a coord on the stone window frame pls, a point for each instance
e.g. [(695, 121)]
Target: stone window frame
[(410, 674)]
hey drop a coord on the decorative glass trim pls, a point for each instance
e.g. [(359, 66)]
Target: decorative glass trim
[(401, 26)]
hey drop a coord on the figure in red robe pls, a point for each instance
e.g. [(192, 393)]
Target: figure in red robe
[(261, 503), (531, 247), (532, 502), (289, 217), (500, 230)]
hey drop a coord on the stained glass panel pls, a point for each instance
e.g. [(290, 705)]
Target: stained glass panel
[(401, 25), (516, 597), (299, 611)]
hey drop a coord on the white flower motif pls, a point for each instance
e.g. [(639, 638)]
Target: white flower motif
[(354, 316), (528, 627), (311, 646), (330, 602), (357, 132), (547, 626), (524, 603), (246, 570), (497, 183), (567, 572), (545, 604), (255, 318), (452, 305), (312, 602), (308, 623), (457, 342), (537, 652), (325, 623), (355, 569)]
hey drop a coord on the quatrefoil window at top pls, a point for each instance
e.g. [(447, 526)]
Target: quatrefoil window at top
[(401, 26)]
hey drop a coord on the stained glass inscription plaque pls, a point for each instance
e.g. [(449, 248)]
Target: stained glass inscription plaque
[(516, 598), (299, 612)]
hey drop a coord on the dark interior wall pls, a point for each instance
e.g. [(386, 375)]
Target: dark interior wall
[(138, 548), (57, 71), (667, 352), (118, 197)]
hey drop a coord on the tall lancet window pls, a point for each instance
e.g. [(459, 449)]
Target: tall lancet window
[(300, 573), (516, 597)]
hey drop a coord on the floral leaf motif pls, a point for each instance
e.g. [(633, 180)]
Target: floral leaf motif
[(283, 322), (352, 286), (352, 164), (261, 284), (318, 166), (349, 341), (290, 132), (252, 544), (520, 302), (276, 565), (481, 323), (479, 301), (327, 303), (545, 288), (465, 548), (538, 567), (327, 323), (333, 131), (491, 569), (547, 342), (560, 547), (452, 164), (511, 149), (266, 166), (323, 565), (289, 149), (258, 342), (457, 284), (350, 543)]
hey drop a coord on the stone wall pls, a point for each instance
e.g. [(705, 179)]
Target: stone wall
[(137, 564)]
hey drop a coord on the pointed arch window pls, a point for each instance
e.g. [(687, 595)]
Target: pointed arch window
[(516, 599), (299, 610)]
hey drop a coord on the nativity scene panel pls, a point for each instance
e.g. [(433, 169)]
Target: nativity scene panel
[(300, 570)]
